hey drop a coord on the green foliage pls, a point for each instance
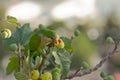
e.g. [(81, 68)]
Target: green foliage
[(83, 47), (35, 52), (47, 32), (21, 76), (13, 21), (34, 42), (7, 42), (12, 65), (67, 43), (22, 35), (62, 59), (38, 61)]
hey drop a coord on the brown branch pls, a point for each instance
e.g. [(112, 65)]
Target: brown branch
[(105, 58), (44, 58)]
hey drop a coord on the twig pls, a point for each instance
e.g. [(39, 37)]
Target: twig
[(78, 70), (96, 67), (44, 58), (19, 58)]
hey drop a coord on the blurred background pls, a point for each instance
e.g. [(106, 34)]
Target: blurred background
[(96, 19)]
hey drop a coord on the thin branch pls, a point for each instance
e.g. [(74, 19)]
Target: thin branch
[(108, 56), (19, 58), (78, 70), (44, 58)]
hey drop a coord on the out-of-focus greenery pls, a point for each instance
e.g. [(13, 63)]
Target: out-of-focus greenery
[(83, 48)]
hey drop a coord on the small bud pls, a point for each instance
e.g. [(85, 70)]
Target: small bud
[(59, 43), (110, 78), (13, 47), (77, 32), (103, 74), (109, 40), (56, 70), (6, 33), (46, 76), (56, 74), (85, 65)]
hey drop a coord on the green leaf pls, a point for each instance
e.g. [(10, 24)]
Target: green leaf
[(62, 58), (65, 61), (38, 61), (12, 65), (22, 35), (67, 43), (7, 42), (34, 42), (57, 59), (26, 67), (47, 32), (21, 76), (13, 21)]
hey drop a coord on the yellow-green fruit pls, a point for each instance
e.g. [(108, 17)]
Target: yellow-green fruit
[(34, 75), (6, 33), (46, 76), (9, 32), (59, 43)]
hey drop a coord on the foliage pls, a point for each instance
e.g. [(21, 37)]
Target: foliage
[(35, 51)]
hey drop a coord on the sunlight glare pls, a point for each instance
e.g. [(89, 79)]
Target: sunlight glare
[(24, 10), (74, 8)]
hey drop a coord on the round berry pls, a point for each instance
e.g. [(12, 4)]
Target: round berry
[(85, 65), (77, 32), (109, 40), (9, 32), (4, 35), (103, 74), (13, 46), (46, 76), (110, 78), (34, 74)]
